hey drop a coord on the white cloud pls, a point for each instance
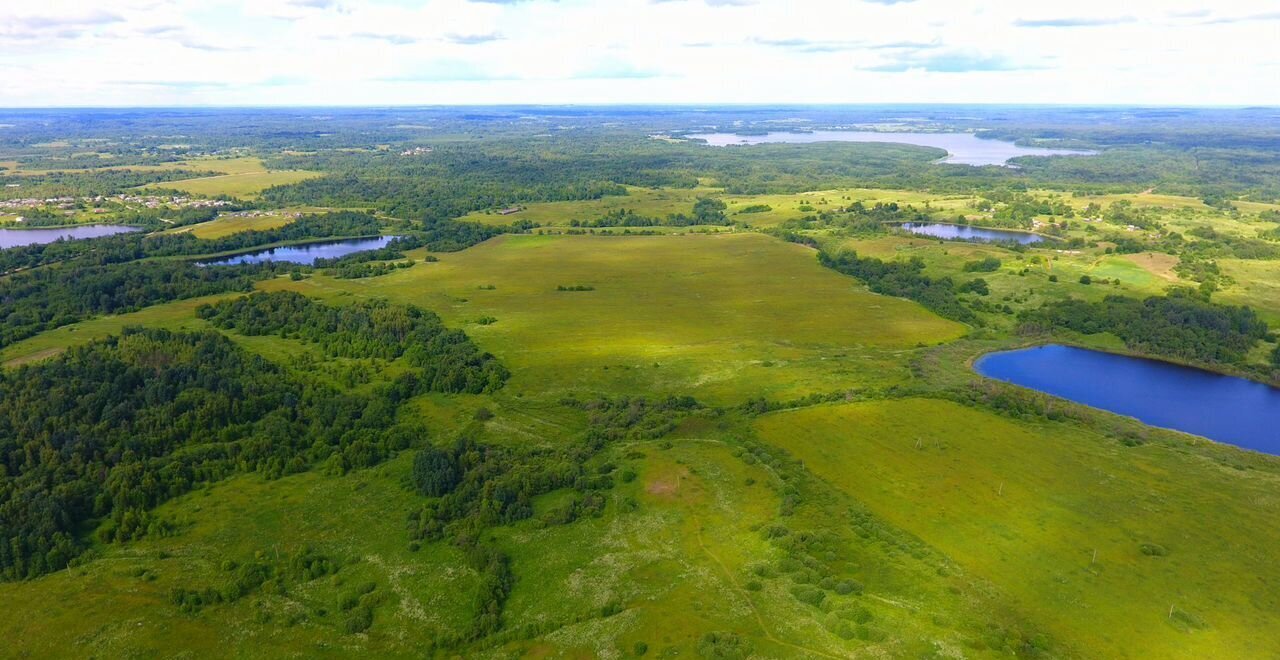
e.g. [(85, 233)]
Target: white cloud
[(162, 52)]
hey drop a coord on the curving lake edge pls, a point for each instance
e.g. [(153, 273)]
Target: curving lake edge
[(1221, 407), (287, 251), (1023, 236)]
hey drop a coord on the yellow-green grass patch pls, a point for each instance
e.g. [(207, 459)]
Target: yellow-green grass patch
[(246, 185), (1119, 551), (648, 202), (1256, 284), (724, 317), (227, 225)]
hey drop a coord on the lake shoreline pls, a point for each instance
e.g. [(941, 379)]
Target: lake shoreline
[(894, 223), (961, 148), (1156, 392)]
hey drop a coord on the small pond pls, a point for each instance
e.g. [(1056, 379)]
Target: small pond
[(19, 237), (962, 232), (1233, 410), (306, 253), (961, 148)]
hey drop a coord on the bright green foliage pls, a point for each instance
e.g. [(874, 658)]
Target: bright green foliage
[(113, 428), (447, 360), (1180, 325)]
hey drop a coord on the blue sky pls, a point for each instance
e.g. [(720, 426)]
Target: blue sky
[(357, 52)]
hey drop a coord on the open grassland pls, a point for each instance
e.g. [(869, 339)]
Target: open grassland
[(692, 543), (783, 207), (1023, 277), (227, 225), (245, 186), (1256, 283), (661, 202), (1184, 547), (1144, 199), (649, 202), (722, 317), (222, 164)]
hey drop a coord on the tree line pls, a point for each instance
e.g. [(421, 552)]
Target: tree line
[(1182, 325)]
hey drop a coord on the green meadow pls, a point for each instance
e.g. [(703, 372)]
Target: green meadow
[(661, 202), (244, 185), (228, 225), (1110, 548), (628, 442), (722, 317)]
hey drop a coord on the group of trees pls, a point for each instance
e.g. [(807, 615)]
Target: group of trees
[(446, 360), (904, 279), (107, 431), (471, 486), (86, 183), (1181, 325), (47, 298), (706, 211), (104, 432)]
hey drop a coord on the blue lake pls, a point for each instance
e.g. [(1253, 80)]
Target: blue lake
[(19, 237), (962, 232), (961, 148), (305, 254), (1223, 408)]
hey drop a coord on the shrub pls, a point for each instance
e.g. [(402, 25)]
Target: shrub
[(723, 645), (358, 620), (808, 594), (988, 265), (434, 473), (1153, 550)]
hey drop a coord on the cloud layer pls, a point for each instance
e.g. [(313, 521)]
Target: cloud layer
[(295, 52)]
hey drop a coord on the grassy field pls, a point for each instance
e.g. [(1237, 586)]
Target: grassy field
[(659, 203), (966, 533), (246, 185), (723, 317), (1027, 506), (649, 202), (227, 225), (1257, 284), (222, 164)]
